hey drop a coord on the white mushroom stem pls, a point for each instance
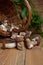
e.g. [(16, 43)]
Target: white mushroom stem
[(31, 46), (10, 45)]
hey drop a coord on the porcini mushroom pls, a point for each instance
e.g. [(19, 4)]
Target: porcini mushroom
[(20, 42), (29, 43)]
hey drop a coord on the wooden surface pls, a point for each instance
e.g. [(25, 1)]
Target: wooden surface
[(24, 57), (16, 57), (34, 57), (12, 57)]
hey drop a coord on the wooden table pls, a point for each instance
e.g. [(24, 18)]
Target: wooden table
[(24, 57)]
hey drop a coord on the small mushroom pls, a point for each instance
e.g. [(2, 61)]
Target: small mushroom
[(14, 35), (13, 27), (36, 41), (20, 45), (22, 33), (16, 27), (28, 34), (29, 43), (20, 42)]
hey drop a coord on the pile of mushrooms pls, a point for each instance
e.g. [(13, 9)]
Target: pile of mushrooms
[(21, 39)]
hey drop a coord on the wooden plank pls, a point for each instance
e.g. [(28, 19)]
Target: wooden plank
[(21, 58), (12, 57), (3, 56), (11, 60), (34, 57), (8, 57)]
